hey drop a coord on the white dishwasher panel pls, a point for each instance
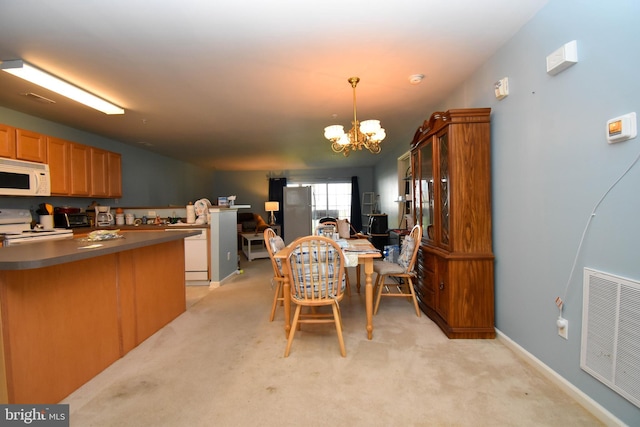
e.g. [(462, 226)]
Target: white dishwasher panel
[(196, 257)]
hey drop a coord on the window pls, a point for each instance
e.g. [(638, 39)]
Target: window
[(332, 199)]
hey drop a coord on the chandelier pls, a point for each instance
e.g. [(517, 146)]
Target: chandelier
[(367, 134)]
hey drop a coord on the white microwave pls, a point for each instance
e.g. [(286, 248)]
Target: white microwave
[(22, 178)]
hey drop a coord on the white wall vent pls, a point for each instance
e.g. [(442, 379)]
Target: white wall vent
[(610, 349)]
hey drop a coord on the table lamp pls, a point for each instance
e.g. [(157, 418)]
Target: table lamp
[(271, 207)]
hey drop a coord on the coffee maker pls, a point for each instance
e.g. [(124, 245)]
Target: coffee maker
[(103, 216)]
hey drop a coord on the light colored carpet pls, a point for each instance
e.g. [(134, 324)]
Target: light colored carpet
[(221, 364)]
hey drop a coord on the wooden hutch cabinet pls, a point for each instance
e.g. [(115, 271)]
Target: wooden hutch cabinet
[(451, 171)]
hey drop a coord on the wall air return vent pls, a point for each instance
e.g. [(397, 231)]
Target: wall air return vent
[(610, 349)]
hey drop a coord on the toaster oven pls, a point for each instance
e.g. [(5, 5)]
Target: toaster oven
[(70, 220)]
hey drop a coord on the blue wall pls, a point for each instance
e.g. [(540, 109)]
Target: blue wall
[(551, 165)]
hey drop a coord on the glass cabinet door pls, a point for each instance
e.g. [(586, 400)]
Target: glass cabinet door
[(415, 183), (426, 189), (443, 167)]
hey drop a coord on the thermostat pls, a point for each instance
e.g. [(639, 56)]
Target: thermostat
[(622, 128)]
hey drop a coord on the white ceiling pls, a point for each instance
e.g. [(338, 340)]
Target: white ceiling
[(251, 85)]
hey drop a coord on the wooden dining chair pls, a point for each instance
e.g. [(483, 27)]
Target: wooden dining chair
[(274, 243), (315, 268), (403, 271)]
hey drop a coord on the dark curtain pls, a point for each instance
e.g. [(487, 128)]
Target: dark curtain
[(356, 210), (276, 194)]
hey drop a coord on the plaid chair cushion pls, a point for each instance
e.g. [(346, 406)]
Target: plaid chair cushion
[(317, 277)]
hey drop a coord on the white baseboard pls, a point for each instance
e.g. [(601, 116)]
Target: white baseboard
[(214, 285), (587, 402)]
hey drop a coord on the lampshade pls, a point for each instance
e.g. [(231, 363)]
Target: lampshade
[(370, 126), (333, 131), (271, 206), (344, 140)]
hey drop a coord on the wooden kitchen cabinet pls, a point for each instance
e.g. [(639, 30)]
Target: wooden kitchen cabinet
[(67, 316), (7, 141), (31, 146), (80, 163), (114, 174), (106, 173), (22, 144), (99, 180), (75, 169), (59, 160), (79, 170), (451, 170)]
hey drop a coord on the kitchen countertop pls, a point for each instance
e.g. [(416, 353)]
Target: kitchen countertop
[(53, 252), (148, 227)]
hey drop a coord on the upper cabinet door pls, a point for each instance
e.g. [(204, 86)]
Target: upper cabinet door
[(99, 181), (80, 166), (58, 155), (426, 189), (7, 141), (31, 146), (114, 174), (444, 180)]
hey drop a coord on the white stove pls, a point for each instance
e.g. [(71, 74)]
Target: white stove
[(15, 228)]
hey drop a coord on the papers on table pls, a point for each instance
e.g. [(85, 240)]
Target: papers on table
[(360, 246), (353, 248), (342, 243)]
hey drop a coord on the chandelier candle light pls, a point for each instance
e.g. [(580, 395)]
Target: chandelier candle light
[(367, 134), (271, 207)]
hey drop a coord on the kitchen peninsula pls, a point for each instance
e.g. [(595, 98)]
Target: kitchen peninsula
[(70, 308)]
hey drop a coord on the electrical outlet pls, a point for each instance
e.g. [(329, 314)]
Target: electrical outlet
[(151, 214), (228, 256), (563, 327)]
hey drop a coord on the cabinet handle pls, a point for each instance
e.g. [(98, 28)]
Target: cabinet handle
[(441, 286)]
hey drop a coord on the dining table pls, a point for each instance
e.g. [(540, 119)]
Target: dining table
[(353, 248)]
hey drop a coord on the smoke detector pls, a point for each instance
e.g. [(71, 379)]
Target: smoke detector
[(415, 79)]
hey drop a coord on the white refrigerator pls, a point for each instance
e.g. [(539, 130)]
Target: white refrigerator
[(297, 213)]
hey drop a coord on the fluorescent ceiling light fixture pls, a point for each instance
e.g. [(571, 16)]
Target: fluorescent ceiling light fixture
[(28, 72)]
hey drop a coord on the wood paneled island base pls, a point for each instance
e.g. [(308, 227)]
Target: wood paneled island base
[(62, 324)]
